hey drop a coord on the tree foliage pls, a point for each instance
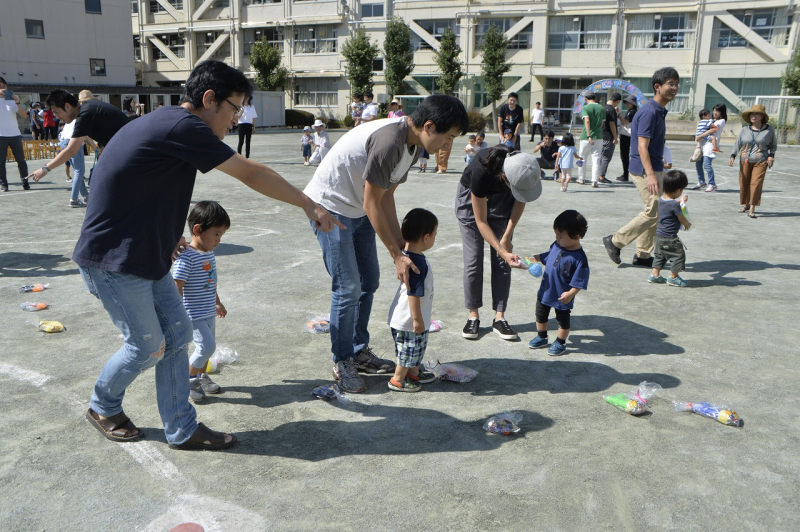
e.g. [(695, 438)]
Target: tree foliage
[(449, 63), (360, 55), (266, 60), (791, 82), (398, 55), (493, 65)]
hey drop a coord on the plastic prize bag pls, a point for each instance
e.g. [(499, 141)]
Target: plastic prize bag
[(318, 324), (33, 307), (221, 357), (436, 326), (330, 391), (450, 372), (635, 402), (723, 414), (51, 326), (34, 287), (506, 423)]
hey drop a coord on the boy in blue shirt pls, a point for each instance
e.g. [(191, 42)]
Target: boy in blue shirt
[(566, 273), (669, 247), (195, 274)]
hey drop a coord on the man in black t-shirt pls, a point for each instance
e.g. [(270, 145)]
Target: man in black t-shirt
[(93, 118), (547, 150), (511, 116), (610, 136)]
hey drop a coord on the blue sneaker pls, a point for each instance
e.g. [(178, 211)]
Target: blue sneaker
[(556, 349), (656, 280), (677, 281), (538, 343)]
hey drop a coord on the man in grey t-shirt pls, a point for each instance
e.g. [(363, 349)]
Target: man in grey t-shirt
[(356, 183)]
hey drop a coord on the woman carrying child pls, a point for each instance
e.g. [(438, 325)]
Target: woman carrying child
[(490, 199)]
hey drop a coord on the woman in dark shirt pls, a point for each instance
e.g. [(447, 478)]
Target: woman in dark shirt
[(625, 135), (489, 203)]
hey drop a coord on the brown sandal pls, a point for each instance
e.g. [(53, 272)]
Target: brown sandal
[(744, 208), (205, 439), (116, 428)]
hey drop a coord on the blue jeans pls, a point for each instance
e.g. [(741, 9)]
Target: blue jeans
[(205, 341), (79, 165), (351, 259), (157, 331), (705, 164)]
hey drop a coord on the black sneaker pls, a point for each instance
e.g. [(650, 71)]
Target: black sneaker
[(4, 188), (604, 181), (613, 251), (470, 331), (25, 184), (621, 178), (644, 263), (501, 327)]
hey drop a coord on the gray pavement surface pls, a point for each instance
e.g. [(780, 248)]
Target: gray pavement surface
[(393, 461)]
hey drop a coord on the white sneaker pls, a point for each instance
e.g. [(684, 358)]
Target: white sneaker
[(306, 163), (76, 203), (595, 184), (711, 188), (579, 181)]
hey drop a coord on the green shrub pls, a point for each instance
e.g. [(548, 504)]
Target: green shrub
[(333, 124), (348, 121), (297, 118), (476, 122)]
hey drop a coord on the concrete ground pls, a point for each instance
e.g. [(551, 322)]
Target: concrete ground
[(392, 461)]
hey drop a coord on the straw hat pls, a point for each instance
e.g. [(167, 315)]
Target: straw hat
[(758, 108), (85, 95)]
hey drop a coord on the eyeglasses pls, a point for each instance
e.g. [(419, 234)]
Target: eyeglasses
[(239, 110)]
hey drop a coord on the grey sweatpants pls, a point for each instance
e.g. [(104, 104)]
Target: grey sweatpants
[(669, 249), (473, 246), (606, 155)]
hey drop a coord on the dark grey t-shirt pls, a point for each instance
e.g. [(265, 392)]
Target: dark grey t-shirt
[(668, 223)]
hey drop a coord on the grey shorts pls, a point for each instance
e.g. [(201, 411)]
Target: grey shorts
[(669, 249)]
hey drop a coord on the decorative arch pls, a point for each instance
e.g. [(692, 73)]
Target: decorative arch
[(607, 84)]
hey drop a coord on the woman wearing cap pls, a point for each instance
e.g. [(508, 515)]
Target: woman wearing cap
[(756, 145), (322, 143), (625, 134), (396, 109), (247, 126), (491, 197)]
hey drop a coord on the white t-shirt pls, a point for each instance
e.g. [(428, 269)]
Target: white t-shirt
[(66, 131), (376, 152), (399, 312), (8, 119), (667, 155), (708, 149), (536, 116), (370, 111), (248, 115), (322, 140)]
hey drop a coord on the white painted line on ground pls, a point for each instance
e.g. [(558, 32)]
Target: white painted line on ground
[(784, 173), (439, 249), (20, 374), (152, 460), (42, 242)]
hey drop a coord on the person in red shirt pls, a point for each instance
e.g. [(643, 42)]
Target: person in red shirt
[(49, 123)]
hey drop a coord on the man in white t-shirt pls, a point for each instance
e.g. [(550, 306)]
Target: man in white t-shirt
[(10, 136), (537, 116), (370, 111), (356, 182)]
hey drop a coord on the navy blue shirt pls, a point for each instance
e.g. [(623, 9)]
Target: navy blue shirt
[(563, 270), (141, 190), (668, 223), (648, 122)]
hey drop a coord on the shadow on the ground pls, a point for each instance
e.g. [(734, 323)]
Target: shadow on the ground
[(721, 270), (619, 337), (15, 264), (763, 214), (231, 249)]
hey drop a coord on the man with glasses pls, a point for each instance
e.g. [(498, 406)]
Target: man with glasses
[(141, 193), (648, 136)]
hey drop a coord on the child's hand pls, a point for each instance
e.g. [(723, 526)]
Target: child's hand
[(221, 310), (419, 327), (684, 199), (566, 297)]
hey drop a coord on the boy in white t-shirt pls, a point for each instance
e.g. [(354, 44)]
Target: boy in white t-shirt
[(410, 313), (370, 111)]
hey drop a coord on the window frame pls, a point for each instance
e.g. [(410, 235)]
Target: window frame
[(316, 40), (99, 7), (276, 42), (688, 18), (177, 4), (581, 33), (419, 44), (93, 66), (515, 43), (178, 49), (29, 25), (331, 95), (720, 27), (372, 6)]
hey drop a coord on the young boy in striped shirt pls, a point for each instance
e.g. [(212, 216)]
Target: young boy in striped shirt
[(195, 274)]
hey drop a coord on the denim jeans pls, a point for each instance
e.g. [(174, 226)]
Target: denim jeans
[(79, 165), (705, 164), (204, 338), (157, 330), (351, 258)]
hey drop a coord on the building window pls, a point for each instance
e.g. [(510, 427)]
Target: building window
[(174, 42), (436, 28), (747, 89), (521, 41), (97, 67), (560, 96), (274, 37), (34, 29), (316, 92), (205, 41), (773, 25), (377, 65), (371, 10), (137, 48), (661, 31), (315, 40), (263, 2), (590, 32), (214, 4), (155, 7), (681, 102), (134, 6), (93, 6)]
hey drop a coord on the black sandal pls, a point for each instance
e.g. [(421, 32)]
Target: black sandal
[(116, 428), (744, 208), (752, 215), (205, 439)]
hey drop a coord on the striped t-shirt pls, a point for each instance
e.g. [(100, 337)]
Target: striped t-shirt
[(198, 270), (702, 127)]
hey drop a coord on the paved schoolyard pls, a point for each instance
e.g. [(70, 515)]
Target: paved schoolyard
[(392, 461)]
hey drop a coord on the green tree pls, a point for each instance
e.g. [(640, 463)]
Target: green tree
[(449, 63), (266, 60), (791, 82), (360, 55), (398, 55), (493, 65)]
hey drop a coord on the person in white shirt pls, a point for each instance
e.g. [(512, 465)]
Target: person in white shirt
[(78, 165), (10, 137), (667, 158), (370, 111), (322, 143), (537, 116), (247, 126)]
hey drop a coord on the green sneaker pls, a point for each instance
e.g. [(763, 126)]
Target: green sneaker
[(406, 386), (657, 280), (677, 281), (424, 377)]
